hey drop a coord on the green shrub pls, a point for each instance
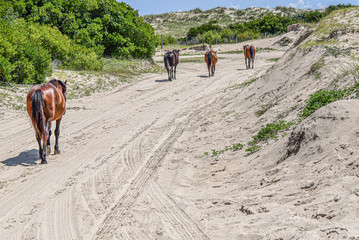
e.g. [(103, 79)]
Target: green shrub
[(27, 49), (217, 153), (212, 37), (210, 26), (107, 26), (270, 131), (320, 99), (167, 40)]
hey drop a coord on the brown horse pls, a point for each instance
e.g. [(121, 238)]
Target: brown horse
[(171, 60), (46, 103), (211, 59), (249, 53)]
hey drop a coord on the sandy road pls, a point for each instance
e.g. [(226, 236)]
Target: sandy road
[(112, 144)]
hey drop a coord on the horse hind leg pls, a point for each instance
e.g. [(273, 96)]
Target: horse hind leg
[(252, 63), (171, 74), (42, 153), (48, 145), (57, 134), (212, 70)]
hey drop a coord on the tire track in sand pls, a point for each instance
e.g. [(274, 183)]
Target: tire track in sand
[(174, 215), (142, 175)]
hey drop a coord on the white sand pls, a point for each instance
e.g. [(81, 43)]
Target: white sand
[(132, 163)]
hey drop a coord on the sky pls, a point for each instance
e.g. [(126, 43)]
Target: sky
[(146, 7)]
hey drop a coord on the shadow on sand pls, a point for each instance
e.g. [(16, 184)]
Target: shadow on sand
[(164, 80), (203, 76), (27, 158)]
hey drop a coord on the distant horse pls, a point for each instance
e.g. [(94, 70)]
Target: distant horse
[(171, 60), (211, 59), (46, 103), (249, 53)]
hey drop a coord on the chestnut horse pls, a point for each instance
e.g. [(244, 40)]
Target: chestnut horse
[(249, 53), (211, 59), (171, 60), (46, 103)]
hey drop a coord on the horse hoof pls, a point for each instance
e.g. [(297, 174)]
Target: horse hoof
[(57, 151), (43, 162), (48, 150)]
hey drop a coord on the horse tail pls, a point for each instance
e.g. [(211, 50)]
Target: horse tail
[(37, 114), (167, 65), (209, 59), (251, 50)]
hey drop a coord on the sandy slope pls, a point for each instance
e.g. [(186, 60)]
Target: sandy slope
[(132, 164)]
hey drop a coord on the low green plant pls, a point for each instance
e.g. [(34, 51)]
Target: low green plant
[(263, 109), (273, 59), (270, 131), (252, 149), (216, 153), (314, 69), (240, 85), (322, 98), (192, 60), (225, 114), (233, 52)]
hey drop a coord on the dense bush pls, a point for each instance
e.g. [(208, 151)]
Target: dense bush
[(195, 31), (212, 37), (110, 27), (332, 8), (272, 24), (313, 16), (269, 24), (78, 33), (27, 49), (167, 40)]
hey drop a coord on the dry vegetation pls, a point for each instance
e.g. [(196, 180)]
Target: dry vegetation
[(178, 23)]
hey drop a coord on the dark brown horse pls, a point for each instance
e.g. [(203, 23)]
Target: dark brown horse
[(211, 59), (249, 53), (171, 60), (46, 103)]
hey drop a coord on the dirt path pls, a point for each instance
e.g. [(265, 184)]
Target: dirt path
[(112, 146)]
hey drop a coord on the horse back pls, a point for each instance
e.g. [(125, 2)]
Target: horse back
[(54, 102), (176, 57), (214, 58), (246, 52), (252, 51)]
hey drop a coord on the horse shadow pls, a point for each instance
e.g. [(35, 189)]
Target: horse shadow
[(164, 80), (26, 159)]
